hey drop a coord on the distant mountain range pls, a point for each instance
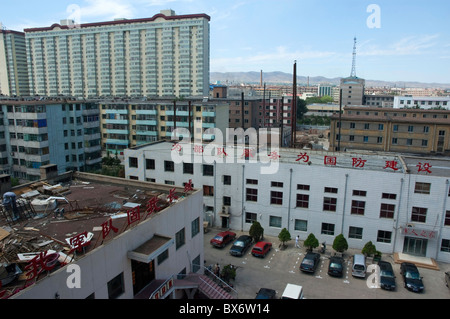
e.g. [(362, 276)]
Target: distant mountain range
[(233, 78)]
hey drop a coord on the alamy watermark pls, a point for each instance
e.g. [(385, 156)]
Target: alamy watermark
[(236, 146), (374, 19)]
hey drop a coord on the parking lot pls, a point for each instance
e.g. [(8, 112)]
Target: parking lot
[(280, 267)]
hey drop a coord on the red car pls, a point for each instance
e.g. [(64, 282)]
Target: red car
[(222, 239), (261, 249)]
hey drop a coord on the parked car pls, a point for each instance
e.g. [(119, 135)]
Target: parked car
[(411, 277), (336, 266), (447, 279), (241, 245), (310, 262), (266, 293), (387, 277), (261, 248), (222, 239)]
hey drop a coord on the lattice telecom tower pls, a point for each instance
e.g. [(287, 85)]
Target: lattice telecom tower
[(353, 74)]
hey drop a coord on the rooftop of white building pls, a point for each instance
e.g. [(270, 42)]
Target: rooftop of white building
[(264, 154)]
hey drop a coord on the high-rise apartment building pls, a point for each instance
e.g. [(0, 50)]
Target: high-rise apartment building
[(133, 122), (13, 63), (163, 56), (39, 133)]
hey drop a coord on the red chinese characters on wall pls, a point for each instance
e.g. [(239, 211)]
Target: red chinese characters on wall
[(274, 155), (40, 263), (133, 215), (420, 233), (221, 152), (188, 186), (391, 165), (424, 167), (107, 227), (304, 157), (329, 160), (358, 162), (172, 196)]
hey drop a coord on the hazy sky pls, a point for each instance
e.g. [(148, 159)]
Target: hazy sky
[(397, 40)]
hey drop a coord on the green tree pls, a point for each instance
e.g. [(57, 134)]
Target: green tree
[(369, 249), (301, 109), (340, 243), (284, 236), (311, 242), (228, 273), (256, 231)]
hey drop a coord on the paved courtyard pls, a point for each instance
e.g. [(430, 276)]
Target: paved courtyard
[(280, 267)]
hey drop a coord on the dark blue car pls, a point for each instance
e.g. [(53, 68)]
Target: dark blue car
[(241, 245), (387, 277), (310, 262)]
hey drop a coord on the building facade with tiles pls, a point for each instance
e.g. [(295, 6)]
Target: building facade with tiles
[(165, 55), (38, 133), (400, 204), (406, 130), (13, 64)]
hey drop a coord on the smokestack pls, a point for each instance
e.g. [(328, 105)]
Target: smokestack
[(190, 121), (242, 110), (294, 107)]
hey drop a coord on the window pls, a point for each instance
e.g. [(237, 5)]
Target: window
[(188, 168), (303, 187), (447, 218), (419, 214), (358, 207), (252, 181), (150, 163), (384, 236), (195, 227), (275, 221), (208, 170), (251, 194), (276, 198), (422, 188), (445, 245), (388, 196), (357, 192), (329, 204), (226, 201), (276, 184), (208, 190), (180, 239), (250, 217), (133, 162), (226, 179), (387, 210), (163, 256), (355, 232), (302, 200), (395, 128), (301, 225), (410, 128), (331, 190), (115, 287), (327, 229), (169, 166), (380, 127)]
